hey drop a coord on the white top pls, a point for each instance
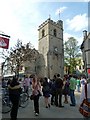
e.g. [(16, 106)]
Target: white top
[(83, 81), (82, 96)]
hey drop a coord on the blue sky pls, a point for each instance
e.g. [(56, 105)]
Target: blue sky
[(20, 19)]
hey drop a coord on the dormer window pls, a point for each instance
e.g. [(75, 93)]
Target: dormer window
[(55, 32), (43, 33)]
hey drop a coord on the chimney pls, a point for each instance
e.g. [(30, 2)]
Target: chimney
[(84, 35)]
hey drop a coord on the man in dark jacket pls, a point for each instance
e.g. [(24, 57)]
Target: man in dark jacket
[(14, 94), (58, 95)]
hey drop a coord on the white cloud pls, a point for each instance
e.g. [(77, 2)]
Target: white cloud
[(77, 23), (8, 21), (66, 36), (20, 19), (78, 38), (60, 10)]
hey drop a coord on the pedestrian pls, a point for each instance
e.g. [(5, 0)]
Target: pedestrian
[(36, 90), (72, 87), (31, 78), (53, 90), (14, 94), (78, 84), (58, 94), (26, 84), (46, 92), (66, 88), (83, 81), (82, 96)]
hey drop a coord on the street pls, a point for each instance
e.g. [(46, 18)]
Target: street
[(52, 112)]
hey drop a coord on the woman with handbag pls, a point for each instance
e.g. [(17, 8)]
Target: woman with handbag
[(36, 90)]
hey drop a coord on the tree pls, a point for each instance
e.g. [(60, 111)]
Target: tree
[(18, 55), (71, 53)]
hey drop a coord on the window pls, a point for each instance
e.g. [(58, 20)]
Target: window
[(43, 33), (55, 32)]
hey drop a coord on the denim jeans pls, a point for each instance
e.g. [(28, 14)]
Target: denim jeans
[(72, 97)]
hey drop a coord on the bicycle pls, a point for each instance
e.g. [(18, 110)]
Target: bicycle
[(7, 105), (24, 100)]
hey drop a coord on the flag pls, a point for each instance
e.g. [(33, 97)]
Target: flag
[(4, 42)]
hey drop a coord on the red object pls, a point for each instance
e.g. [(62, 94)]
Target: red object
[(88, 71), (4, 42)]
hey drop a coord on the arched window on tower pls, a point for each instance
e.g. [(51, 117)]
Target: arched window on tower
[(43, 33), (55, 32)]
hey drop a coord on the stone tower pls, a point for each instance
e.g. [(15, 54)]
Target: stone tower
[(50, 46)]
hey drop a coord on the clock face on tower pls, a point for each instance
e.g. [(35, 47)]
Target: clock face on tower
[(55, 49)]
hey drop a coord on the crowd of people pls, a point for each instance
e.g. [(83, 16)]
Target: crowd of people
[(51, 90)]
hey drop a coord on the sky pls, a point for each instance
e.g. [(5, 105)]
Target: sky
[(20, 19)]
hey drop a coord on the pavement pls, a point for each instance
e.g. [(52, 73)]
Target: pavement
[(52, 112)]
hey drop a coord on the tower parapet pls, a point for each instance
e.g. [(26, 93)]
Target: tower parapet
[(59, 23)]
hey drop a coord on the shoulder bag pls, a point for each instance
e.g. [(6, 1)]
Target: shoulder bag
[(84, 108)]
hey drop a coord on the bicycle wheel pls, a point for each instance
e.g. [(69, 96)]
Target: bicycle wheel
[(24, 100), (6, 105)]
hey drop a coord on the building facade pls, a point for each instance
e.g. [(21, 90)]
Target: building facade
[(85, 47), (50, 46), (49, 59)]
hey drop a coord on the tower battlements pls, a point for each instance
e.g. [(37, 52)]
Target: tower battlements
[(58, 23)]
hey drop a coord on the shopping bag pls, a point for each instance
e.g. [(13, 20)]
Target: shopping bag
[(84, 108)]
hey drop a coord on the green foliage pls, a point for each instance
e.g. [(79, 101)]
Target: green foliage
[(71, 53), (18, 55)]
